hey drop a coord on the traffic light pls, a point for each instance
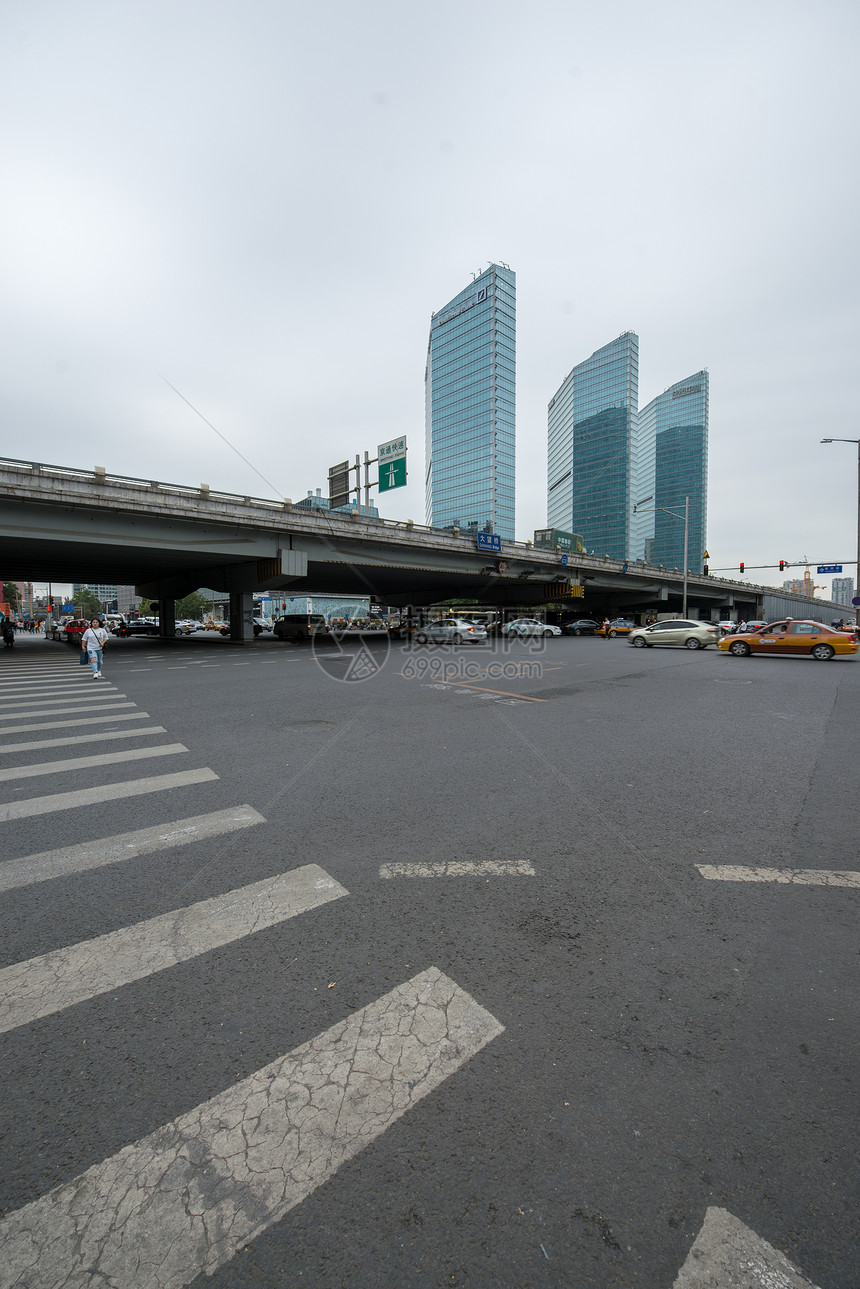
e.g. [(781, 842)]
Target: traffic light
[(781, 565), (705, 570), (742, 566)]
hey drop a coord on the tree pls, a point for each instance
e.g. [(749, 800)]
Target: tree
[(13, 595), (193, 606), (89, 603)]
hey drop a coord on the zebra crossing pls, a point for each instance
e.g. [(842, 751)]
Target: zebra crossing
[(198, 1188)]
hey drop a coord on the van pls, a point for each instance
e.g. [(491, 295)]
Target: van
[(300, 626)]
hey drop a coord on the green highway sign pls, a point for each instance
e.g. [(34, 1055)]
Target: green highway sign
[(392, 474)]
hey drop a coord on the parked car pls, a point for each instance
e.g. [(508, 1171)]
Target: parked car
[(755, 625), (451, 631), (792, 637), (617, 627), (676, 631), (728, 627), (300, 626), (261, 625), (529, 627), (580, 627)]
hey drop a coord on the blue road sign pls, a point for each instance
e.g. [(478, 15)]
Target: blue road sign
[(564, 561), (856, 599), (829, 568), (489, 542)]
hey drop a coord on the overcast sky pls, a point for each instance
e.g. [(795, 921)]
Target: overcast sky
[(263, 202)]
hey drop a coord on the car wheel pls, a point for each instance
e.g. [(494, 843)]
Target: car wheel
[(692, 643), (300, 637), (612, 635), (422, 637), (457, 638), (822, 652), (639, 642), (739, 648), (178, 631), (546, 634)]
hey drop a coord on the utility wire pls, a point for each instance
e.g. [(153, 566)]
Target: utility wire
[(224, 439)]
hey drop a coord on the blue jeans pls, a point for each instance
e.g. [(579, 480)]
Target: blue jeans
[(95, 659)]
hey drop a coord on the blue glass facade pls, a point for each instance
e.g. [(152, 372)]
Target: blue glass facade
[(671, 465), (591, 424), (470, 407)]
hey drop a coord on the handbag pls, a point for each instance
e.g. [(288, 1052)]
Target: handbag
[(84, 658)]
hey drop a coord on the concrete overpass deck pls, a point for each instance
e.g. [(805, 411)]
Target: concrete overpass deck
[(63, 524)]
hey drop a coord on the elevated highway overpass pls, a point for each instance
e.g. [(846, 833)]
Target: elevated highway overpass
[(63, 524)]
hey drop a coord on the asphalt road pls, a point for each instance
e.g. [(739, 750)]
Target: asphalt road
[(496, 1026)]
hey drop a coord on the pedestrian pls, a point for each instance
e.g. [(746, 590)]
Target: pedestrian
[(606, 626), (93, 641)]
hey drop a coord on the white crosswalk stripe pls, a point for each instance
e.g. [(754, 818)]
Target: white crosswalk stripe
[(73, 740), (92, 696), (111, 850), (199, 1188), (89, 762), (86, 719), (107, 792), (41, 986)]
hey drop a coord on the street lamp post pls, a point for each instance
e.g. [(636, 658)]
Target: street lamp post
[(686, 519), (857, 573)]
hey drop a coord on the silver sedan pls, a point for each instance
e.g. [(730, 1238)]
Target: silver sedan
[(529, 627), (451, 631), (676, 631)]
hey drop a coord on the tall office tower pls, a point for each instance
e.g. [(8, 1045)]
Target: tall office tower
[(470, 407), (670, 463), (842, 589), (591, 425)]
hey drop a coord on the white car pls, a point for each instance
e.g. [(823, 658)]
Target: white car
[(676, 631), (451, 631), (529, 627)]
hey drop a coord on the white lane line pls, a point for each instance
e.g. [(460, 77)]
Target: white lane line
[(726, 1253), (73, 740), (81, 720), (54, 981), (198, 1189), (99, 695), (87, 762), (461, 868), (784, 876), (106, 792), (81, 709), (128, 845), (140, 669)]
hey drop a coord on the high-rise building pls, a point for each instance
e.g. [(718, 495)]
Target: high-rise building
[(842, 590), (670, 464), (470, 407), (591, 427)]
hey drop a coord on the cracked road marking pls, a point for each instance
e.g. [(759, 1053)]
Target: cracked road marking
[(727, 1253), (461, 868), (54, 981), (184, 1200), (107, 792), (791, 876), (111, 850)]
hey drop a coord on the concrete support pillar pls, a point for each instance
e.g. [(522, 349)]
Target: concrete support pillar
[(166, 617), (241, 615)]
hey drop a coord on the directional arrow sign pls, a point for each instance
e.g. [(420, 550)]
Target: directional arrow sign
[(392, 474)]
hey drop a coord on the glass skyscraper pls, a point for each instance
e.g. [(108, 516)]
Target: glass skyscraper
[(591, 426), (470, 402), (670, 463)]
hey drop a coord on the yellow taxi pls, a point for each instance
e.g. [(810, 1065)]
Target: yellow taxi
[(792, 636), (617, 627)]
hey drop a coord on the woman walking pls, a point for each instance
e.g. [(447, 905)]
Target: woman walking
[(93, 641)]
